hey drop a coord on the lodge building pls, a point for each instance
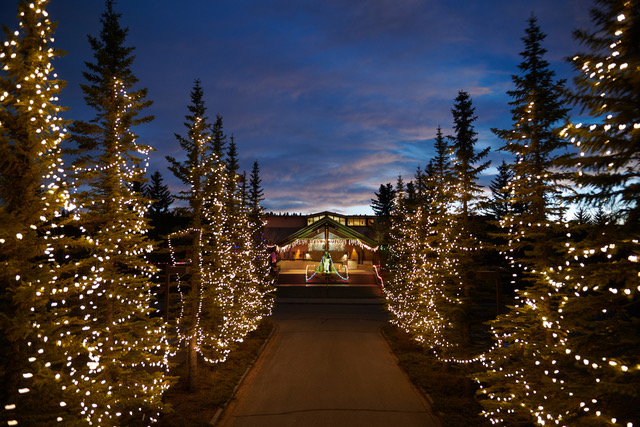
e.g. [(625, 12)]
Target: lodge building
[(298, 240)]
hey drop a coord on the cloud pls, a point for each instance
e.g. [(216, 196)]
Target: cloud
[(332, 97)]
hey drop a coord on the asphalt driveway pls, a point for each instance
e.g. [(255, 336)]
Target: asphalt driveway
[(327, 365)]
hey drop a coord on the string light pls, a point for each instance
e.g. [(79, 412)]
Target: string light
[(230, 290)]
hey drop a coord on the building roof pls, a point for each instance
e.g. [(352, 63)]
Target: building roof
[(340, 229)]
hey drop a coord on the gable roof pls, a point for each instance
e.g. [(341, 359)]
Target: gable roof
[(340, 229)]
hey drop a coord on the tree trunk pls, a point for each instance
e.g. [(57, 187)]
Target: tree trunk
[(192, 362)]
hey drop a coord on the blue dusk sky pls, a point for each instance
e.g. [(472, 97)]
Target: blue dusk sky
[(331, 97)]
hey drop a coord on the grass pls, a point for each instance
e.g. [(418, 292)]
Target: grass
[(216, 383), (449, 388)]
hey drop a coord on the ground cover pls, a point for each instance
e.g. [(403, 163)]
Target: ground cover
[(216, 383), (448, 388)]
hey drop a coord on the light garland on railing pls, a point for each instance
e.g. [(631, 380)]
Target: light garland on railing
[(351, 242), (321, 268)]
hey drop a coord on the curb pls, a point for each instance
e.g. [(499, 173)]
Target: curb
[(422, 392), (221, 410)]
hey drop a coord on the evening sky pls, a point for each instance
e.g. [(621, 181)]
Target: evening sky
[(331, 97)]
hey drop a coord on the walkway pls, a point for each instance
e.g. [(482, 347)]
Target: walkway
[(327, 365)]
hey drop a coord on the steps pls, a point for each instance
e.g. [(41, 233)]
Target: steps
[(361, 285)]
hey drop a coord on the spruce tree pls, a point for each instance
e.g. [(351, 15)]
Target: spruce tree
[(193, 172), (465, 242), (32, 198), (159, 194), (247, 272), (463, 144), (500, 204), (537, 110), (382, 205), (257, 224), (256, 193), (403, 290), (255, 197), (423, 292), (105, 324), (582, 216), (161, 218), (526, 370), (226, 296), (598, 277), (441, 166)]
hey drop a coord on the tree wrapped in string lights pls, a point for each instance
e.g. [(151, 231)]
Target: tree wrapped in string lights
[(260, 257), (116, 352), (566, 353), (247, 304), (524, 337), (32, 198), (223, 295), (206, 246), (464, 241), (403, 292), (600, 276), (422, 291)]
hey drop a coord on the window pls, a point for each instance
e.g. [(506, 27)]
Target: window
[(357, 222), (337, 219)]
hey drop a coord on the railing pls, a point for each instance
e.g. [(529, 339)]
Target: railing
[(334, 267)]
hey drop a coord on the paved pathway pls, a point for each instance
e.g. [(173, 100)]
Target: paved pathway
[(327, 365)]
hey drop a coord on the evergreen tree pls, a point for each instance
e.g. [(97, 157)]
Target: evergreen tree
[(537, 109), (232, 161), (255, 211), (466, 157), (105, 326), (534, 190), (607, 89), (423, 271), (582, 216), (257, 224), (598, 277), (32, 196), (219, 138), (256, 193), (400, 188), (500, 203), (226, 296), (161, 218), (159, 195), (194, 172), (441, 165), (405, 265), (382, 205), (465, 242), (527, 369)]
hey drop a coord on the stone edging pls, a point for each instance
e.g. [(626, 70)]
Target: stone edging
[(221, 410), (422, 392)]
